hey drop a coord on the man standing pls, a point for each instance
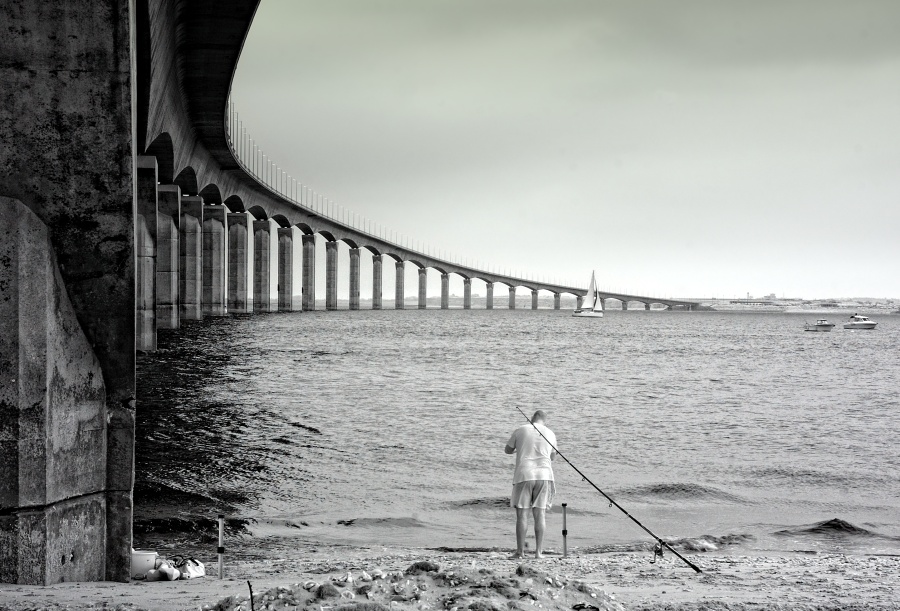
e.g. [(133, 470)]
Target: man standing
[(533, 485)]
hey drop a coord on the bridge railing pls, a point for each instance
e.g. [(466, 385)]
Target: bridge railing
[(254, 161)]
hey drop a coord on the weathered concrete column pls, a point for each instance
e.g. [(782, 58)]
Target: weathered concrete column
[(354, 278), (579, 301), (191, 245), (556, 301), (512, 298), (489, 296), (423, 288), (215, 261), (145, 234), (331, 275), (376, 281), (399, 291), (467, 293), (285, 269), (624, 305), (647, 306), (264, 258), (534, 299), (53, 417), (240, 255), (309, 272), (168, 220), (68, 154), (445, 291), (603, 303)]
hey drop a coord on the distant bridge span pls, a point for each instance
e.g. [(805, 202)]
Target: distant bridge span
[(125, 207)]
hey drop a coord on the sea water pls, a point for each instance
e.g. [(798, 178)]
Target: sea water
[(717, 431)]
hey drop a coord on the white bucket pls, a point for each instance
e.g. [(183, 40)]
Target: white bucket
[(142, 561)]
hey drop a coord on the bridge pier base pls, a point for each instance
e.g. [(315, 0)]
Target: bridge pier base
[(286, 269), (263, 256), (489, 296), (214, 260), (399, 290), (145, 235), (624, 305), (331, 275), (191, 244), (647, 306), (534, 299), (467, 293), (376, 281), (240, 247), (423, 288), (354, 278), (445, 291), (579, 301), (167, 256), (556, 301), (512, 298), (309, 272)]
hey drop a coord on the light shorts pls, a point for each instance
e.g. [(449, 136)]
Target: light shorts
[(533, 493)]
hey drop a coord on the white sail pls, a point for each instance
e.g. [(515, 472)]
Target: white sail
[(598, 304), (591, 305)]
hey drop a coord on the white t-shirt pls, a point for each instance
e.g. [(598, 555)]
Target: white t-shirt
[(532, 453)]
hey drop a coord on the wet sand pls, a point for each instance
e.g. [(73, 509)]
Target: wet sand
[(376, 577)]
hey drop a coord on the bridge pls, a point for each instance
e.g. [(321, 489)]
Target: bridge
[(127, 204)]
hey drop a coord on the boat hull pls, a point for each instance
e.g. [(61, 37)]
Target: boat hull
[(860, 325), (819, 328), (587, 314)]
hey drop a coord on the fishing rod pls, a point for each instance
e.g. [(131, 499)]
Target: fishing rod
[(609, 498)]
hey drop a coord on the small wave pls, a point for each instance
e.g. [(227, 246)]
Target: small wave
[(501, 502), (704, 543), (679, 491), (834, 527), (311, 429), (208, 527), (407, 522)]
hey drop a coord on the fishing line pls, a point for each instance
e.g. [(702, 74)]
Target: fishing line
[(609, 498)]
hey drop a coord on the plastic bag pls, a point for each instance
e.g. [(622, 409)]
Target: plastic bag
[(190, 568)]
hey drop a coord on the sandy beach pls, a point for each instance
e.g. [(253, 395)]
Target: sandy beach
[(328, 578)]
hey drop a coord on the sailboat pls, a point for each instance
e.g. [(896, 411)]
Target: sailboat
[(592, 306)]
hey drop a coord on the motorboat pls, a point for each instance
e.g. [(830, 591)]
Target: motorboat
[(821, 325), (858, 321), (592, 306)]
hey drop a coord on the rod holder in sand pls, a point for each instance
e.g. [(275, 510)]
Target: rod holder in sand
[(221, 548), (565, 532)]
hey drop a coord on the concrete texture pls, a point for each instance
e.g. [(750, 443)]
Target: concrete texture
[(399, 291), (467, 293), (331, 272), (534, 299), (214, 261), (263, 260), (145, 235), (309, 272), (240, 255), (376, 281), (190, 287), (423, 288), (512, 298), (53, 417), (354, 278), (489, 298), (285, 269), (67, 153), (445, 291), (168, 220)]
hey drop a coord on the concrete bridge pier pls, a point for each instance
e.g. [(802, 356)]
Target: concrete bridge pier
[(579, 301), (215, 262), (331, 274), (399, 291), (285, 269), (309, 272), (534, 299), (556, 301), (376, 281), (512, 298), (264, 257), (445, 291), (191, 244), (240, 255), (354, 278), (489, 296), (168, 219), (423, 288), (602, 303), (145, 236), (624, 304), (647, 306), (467, 293)]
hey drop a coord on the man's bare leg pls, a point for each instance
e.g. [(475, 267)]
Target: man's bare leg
[(538, 513), (521, 530)]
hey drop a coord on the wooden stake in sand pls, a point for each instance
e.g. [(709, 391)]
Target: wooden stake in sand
[(565, 532), (608, 498), (221, 549)]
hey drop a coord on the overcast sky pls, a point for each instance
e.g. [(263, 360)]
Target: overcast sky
[(680, 148)]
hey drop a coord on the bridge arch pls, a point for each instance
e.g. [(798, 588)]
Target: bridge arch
[(187, 180), (281, 220), (162, 149), (234, 203), (211, 194)]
